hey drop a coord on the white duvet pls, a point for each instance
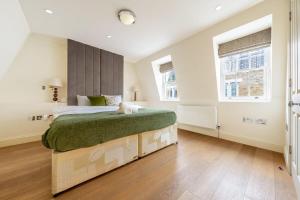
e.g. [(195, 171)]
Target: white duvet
[(65, 110)]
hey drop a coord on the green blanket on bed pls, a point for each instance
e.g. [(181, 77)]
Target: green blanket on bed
[(68, 132)]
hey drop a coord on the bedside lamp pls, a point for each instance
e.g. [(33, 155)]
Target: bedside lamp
[(135, 90), (55, 83)]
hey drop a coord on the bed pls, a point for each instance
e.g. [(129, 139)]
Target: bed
[(86, 145)]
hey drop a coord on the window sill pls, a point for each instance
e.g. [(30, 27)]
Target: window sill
[(170, 100), (244, 100)]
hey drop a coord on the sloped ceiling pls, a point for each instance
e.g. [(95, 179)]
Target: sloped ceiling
[(159, 23), (14, 31)]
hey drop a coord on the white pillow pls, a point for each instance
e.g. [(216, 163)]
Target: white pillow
[(113, 100), (83, 101), (128, 109)]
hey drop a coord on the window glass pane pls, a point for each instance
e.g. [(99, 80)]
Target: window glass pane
[(169, 85), (257, 59), (171, 76), (229, 64), (256, 82), (242, 77), (244, 62), (233, 89)]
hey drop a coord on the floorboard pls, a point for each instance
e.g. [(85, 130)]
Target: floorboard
[(262, 178), (198, 168)]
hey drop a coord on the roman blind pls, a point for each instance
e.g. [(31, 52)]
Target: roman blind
[(249, 42), (166, 67)]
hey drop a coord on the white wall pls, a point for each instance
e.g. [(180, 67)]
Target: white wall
[(14, 31), (193, 60), (40, 59), (130, 80)]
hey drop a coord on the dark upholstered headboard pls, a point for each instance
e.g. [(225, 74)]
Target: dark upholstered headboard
[(93, 71)]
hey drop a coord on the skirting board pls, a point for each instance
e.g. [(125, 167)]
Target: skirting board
[(233, 138), (204, 131), (251, 142), (19, 140)]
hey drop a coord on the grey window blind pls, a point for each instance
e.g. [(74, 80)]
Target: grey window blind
[(166, 67), (256, 40)]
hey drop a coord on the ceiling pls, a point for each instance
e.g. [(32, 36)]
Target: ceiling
[(159, 23)]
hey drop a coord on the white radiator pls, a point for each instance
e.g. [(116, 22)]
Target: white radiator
[(197, 115)]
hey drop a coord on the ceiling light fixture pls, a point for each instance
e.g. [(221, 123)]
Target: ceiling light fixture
[(50, 12), (127, 17), (108, 36), (219, 7)]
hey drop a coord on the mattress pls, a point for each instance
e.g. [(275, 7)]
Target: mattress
[(74, 131), (64, 110)]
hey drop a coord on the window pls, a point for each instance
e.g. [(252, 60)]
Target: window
[(169, 87), (243, 64), (244, 76), (165, 77)]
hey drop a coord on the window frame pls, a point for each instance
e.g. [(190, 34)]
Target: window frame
[(159, 78)]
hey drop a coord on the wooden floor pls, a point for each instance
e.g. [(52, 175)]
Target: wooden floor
[(199, 167)]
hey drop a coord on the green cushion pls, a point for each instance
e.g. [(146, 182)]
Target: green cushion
[(97, 101)]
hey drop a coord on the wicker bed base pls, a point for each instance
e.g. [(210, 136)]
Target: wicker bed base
[(154, 140), (73, 167)]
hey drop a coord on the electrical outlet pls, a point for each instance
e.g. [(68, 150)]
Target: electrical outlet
[(247, 120), (32, 118), (261, 121), (43, 117), (39, 117)]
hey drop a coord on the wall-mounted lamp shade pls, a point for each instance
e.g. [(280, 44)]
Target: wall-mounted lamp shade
[(55, 82), (135, 88), (127, 17)]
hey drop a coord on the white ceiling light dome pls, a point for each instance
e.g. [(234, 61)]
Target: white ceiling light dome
[(127, 17)]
